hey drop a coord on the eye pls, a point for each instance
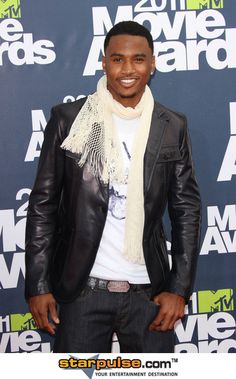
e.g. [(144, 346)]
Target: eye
[(117, 59), (139, 59)]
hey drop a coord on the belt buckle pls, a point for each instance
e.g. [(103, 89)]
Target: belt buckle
[(118, 286)]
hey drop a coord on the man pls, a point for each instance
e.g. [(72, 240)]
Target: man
[(94, 241)]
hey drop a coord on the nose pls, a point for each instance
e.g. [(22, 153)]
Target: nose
[(128, 67)]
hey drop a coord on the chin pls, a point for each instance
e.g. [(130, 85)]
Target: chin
[(128, 96)]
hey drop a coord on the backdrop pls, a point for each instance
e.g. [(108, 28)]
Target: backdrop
[(50, 52)]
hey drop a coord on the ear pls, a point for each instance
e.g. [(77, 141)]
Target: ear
[(153, 63), (104, 63)]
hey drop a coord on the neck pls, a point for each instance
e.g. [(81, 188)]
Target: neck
[(129, 101), (126, 101)]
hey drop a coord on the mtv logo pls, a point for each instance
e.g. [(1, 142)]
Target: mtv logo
[(205, 4), (215, 301), (22, 322), (10, 9)]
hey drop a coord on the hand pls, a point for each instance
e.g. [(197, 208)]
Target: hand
[(41, 306), (171, 309)]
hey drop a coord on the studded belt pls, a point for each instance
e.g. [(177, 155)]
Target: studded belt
[(115, 285)]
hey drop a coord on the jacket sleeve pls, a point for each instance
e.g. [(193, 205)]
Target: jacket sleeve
[(42, 211), (184, 207)]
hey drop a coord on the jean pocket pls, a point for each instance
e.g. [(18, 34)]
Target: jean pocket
[(146, 293), (85, 293)]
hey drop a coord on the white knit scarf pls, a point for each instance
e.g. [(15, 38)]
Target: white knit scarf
[(93, 136)]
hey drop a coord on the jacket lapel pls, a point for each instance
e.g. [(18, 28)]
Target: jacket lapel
[(155, 138)]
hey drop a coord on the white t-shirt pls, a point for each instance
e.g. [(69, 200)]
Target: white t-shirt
[(110, 263)]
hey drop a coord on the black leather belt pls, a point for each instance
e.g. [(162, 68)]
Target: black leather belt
[(115, 285)]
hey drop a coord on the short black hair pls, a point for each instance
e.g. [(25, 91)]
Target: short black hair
[(131, 28)]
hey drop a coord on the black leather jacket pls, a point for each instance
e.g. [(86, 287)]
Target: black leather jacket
[(68, 207)]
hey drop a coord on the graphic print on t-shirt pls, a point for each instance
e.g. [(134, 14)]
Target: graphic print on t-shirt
[(117, 193), (116, 204)]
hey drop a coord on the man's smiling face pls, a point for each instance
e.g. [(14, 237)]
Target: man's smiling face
[(128, 63)]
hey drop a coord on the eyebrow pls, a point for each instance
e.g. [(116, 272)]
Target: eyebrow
[(122, 55)]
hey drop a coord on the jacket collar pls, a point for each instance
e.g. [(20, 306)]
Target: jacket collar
[(154, 143)]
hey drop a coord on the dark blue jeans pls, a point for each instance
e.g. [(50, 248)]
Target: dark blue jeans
[(87, 324)]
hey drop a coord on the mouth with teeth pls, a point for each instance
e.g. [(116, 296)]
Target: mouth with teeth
[(127, 82)]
